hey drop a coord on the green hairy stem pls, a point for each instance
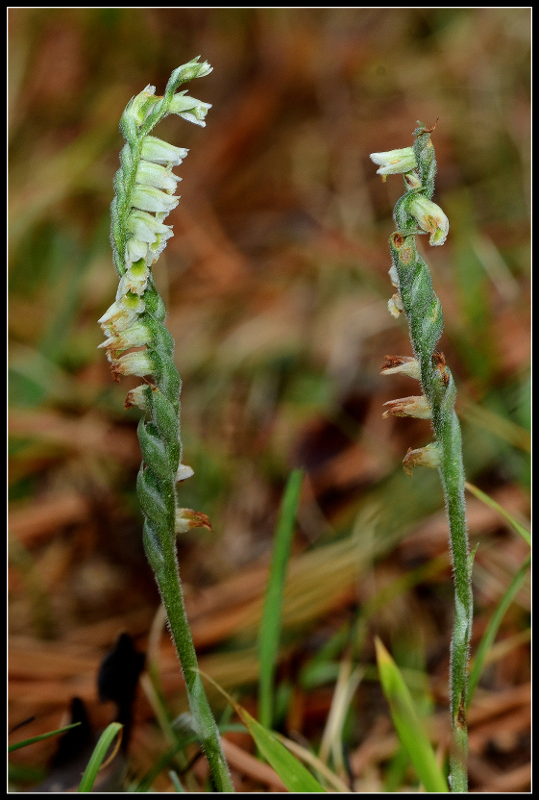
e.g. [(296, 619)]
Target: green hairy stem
[(138, 343), (415, 213)]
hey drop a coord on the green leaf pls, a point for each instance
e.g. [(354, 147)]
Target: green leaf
[(270, 625), (407, 723), (98, 756)]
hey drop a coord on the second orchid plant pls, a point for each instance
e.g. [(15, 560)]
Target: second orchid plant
[(416, 213)]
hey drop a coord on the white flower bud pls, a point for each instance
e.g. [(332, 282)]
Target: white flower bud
[(138, 106), (394, 276), (193, 69)]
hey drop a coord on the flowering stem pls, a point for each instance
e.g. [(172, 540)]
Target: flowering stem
[(144, 196), (415, 213)]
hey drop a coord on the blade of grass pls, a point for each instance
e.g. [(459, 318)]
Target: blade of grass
[(98, 756), (270, 625), (305, 755), (492, 628), (293, 774), (488, 501), (26, 742), (407, 724)]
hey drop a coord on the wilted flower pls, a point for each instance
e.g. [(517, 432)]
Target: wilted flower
[(395, 305), (415, 406), (139, 363), (136, 335), (428, 456), (405, 365), (121, 314), (186, 519)]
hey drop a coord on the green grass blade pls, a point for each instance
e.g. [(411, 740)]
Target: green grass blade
[(270, 625), (488, 501), (98, 756), (33, 739), (293, 774), (492, 628), (407, 723)]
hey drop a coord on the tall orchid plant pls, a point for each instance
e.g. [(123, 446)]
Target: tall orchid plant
[(138, 343)]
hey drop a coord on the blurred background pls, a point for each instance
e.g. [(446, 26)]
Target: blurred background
[(276, 287)]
